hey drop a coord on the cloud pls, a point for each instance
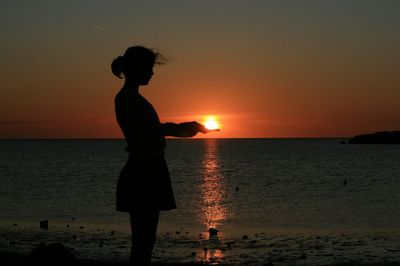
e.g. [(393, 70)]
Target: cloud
[(100, 28)]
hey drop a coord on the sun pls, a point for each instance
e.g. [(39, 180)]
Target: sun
[(211, 123)]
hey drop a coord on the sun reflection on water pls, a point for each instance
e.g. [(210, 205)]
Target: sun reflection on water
[(213, 213), (213, 191)]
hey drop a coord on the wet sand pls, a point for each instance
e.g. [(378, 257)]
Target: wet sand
[(8, 258), (109, 246)]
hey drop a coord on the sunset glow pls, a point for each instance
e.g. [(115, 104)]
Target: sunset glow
[(211, 123), (263, 72)]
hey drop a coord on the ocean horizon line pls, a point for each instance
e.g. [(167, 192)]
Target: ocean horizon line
[(169, 138)]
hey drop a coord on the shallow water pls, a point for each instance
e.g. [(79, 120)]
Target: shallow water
[(299, 201)]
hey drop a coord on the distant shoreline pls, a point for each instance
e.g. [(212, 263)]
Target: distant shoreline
[(381, 137)]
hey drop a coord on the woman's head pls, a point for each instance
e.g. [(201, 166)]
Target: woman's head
[(137, 64)]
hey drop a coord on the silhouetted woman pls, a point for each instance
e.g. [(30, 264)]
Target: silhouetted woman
[(144, 187)]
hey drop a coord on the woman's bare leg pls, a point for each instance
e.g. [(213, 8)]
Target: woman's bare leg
[(144, 231)]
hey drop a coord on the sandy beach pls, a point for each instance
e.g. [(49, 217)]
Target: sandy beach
[(8, 258), (105, 247)]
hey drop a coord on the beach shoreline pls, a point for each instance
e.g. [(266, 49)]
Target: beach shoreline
[(12, 258), (185, 248)]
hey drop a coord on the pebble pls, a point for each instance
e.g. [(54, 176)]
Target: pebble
[(213, 231), (303, 257), (44, 224)]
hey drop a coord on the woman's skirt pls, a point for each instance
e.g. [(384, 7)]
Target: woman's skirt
[(144, 183)]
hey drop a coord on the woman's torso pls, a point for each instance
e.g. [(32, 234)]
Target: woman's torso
[(140, 124)]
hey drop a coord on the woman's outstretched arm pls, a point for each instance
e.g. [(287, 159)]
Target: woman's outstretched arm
[(186, 129)]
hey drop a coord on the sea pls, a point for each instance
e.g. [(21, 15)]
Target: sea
[(272, 201)]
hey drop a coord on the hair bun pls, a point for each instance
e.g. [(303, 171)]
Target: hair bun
[(117, 66)]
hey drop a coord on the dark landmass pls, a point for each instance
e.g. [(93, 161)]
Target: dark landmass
[(384, 137)]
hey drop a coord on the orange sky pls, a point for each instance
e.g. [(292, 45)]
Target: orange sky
[(264, 68)]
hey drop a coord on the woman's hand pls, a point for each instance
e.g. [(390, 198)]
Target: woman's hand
[(190, 129)]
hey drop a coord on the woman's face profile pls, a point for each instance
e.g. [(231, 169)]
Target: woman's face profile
[(143, 74)]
